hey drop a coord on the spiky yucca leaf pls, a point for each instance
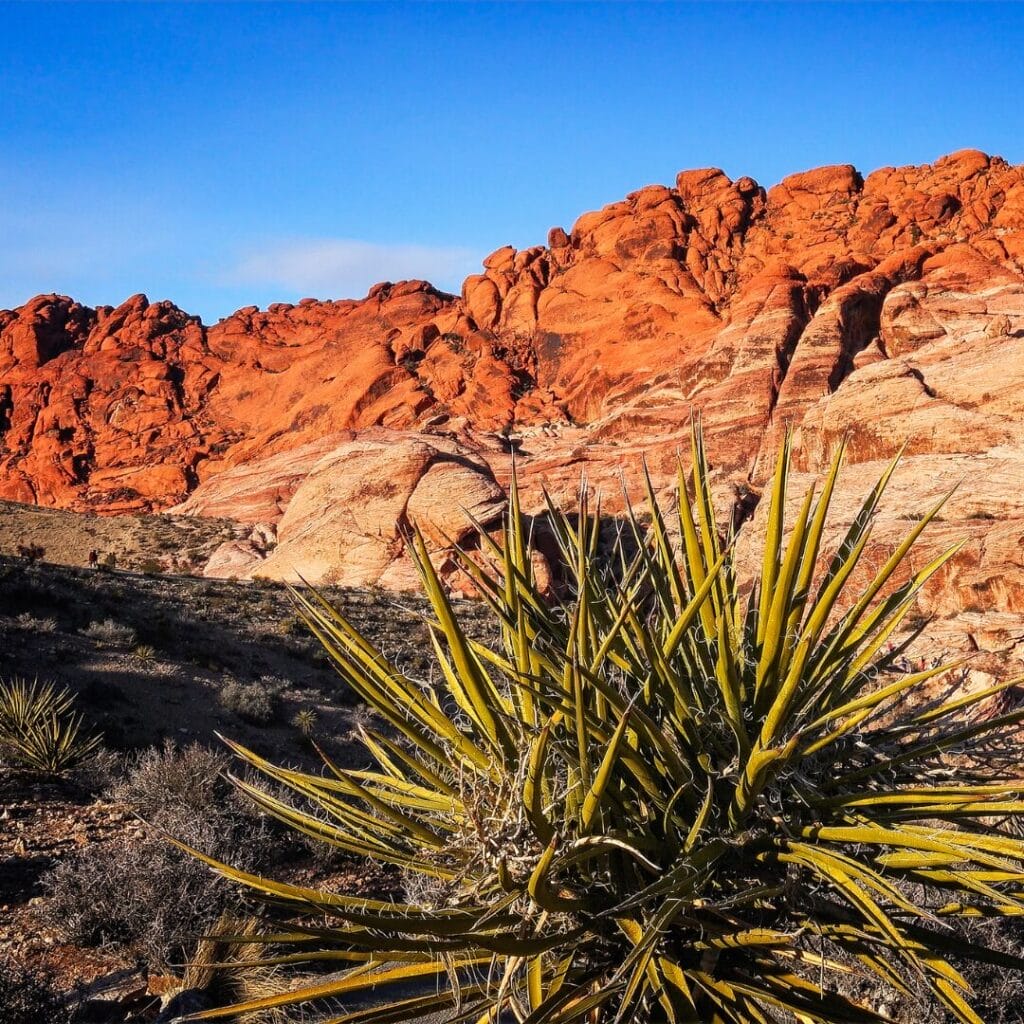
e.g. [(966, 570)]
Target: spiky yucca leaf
[(671, 795), (39, 728)]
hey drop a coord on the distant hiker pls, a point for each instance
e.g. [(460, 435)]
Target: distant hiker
[(94, 558)]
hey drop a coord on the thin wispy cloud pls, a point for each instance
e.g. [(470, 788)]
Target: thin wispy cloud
[(347, 268)]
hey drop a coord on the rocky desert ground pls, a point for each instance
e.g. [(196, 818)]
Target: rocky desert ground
[(161, 664), (154, 543)]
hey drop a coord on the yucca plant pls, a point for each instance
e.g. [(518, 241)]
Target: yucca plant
[(305, 721), (39, 729), (668, 795)]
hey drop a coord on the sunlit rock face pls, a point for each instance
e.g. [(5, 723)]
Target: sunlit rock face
[(887, 309)]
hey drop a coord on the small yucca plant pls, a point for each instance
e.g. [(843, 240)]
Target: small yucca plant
[(305, 721), (39, 729), (669, 795)]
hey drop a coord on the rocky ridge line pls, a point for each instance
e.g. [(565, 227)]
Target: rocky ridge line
[(886, 308)]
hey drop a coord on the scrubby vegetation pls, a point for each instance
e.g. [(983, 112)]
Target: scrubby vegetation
[(82, 825), (46, 625), (142, 893), (110, 632), (258, 701), (671, 794)]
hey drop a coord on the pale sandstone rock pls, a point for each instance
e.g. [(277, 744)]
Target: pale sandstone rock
[(348, 521), (234, 559)]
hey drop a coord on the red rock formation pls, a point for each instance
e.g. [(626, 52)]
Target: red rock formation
[(890, 308), (101, 408)]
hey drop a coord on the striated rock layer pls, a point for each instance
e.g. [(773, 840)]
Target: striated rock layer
[(888, 308)]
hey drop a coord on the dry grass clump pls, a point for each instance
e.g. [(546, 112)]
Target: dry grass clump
[(221, 972), (38, 625), (111, 632)]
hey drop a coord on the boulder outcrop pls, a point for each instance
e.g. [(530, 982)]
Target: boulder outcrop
[(887, 308), (350, 515)]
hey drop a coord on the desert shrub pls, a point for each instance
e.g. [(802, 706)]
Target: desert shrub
[(28, 621), (139, 893), (110, 632), (293, 625), (100, 770), (29, 997), (258, 702), (151, 566), (672, 794), (143, 893), (144, 652), (172, 780), (39, 728)]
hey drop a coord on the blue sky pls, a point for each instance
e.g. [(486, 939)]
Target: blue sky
[(222, 155)]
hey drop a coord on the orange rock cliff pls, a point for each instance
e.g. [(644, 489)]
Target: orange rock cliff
[(888, 308)]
